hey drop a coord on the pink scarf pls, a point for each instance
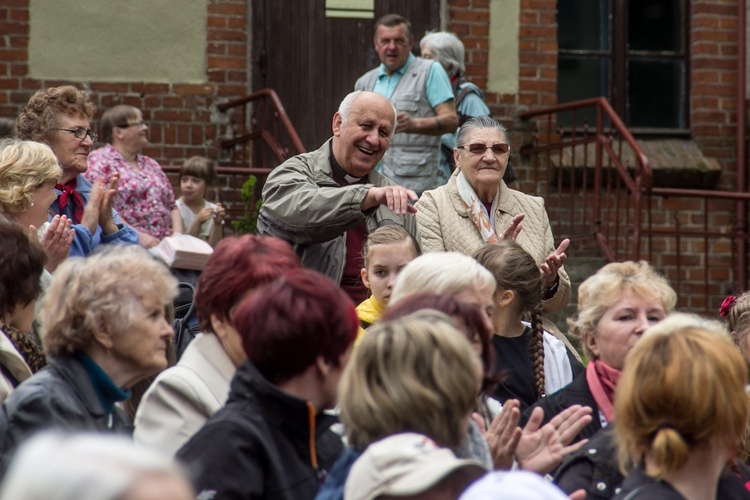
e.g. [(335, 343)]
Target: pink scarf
[(602, 380)]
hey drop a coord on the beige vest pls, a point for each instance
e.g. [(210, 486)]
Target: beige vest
[(412, 160)]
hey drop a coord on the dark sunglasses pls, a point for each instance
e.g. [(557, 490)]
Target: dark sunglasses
[(479, 149)]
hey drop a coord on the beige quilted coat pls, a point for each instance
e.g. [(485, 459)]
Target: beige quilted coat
[(444, 225)]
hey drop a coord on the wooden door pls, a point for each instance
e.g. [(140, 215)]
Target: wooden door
[(312, 60)]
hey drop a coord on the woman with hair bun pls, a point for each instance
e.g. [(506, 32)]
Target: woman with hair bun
[(681, 408)]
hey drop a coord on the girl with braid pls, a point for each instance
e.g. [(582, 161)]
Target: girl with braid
[(535, 362)]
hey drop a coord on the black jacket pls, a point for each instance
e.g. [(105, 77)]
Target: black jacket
[(259, 445), (593, 467), (575, 393), (61, 396)]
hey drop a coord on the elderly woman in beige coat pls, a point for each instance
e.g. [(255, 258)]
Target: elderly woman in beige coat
[(477, 207)]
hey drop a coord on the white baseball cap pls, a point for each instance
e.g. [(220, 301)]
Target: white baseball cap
[(516, 485), (404, 464)]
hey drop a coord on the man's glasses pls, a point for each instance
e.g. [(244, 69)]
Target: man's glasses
[(81, 133), (139, 123), (479, 149)]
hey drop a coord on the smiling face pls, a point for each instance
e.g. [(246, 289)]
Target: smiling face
[(393, 45), (384, 262), (142, 347), (72, 153), (621, 326), (483, 171), (361, 139)]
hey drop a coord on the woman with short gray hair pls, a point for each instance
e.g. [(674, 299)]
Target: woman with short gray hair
[(103, 330)]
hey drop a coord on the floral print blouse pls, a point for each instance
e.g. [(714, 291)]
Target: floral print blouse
[(144, 196)]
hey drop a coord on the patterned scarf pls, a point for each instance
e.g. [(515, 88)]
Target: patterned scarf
[(69, 189), (477, 212), (29, 351)]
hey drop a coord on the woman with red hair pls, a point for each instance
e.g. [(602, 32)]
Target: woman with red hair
[(183, 397), (272, 439)]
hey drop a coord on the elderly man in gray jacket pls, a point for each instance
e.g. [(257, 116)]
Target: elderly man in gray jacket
[(326, 202)]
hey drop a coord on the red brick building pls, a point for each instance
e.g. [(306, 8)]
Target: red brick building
[(254, 44)]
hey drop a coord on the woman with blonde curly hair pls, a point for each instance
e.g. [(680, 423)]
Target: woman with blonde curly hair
[(681, 408), (103, 331), (28, 174), (615, 306)]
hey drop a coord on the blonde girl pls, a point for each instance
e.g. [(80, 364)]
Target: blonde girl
[(200, 218), (534, 361), (387, 250)]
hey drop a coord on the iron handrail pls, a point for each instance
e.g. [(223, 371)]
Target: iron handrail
[(617, 123), (637, 184), (271, 95)]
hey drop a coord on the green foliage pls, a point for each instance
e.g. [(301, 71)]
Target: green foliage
[(248, 224)]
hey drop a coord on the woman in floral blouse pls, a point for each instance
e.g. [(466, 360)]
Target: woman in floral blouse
[(144, 199)]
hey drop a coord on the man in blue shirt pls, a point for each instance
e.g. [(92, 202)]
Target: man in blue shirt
[(422, 94)]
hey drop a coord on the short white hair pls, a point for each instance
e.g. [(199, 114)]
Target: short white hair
[(54, 466), (346, 106), (448, 49), (443, 273)]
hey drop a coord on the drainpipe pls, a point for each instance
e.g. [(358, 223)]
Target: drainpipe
[(741, 277)]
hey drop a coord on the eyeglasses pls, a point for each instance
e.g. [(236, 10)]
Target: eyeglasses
[(479, 149), (139, 123), (81, 133)]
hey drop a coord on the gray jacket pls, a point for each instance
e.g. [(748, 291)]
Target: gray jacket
[(412, 160), (303, 205), (60, 397)]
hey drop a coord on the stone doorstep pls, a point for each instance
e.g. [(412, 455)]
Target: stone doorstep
[(674, 163)]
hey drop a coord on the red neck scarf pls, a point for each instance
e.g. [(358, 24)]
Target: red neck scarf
[(69, 189), (602, 380)]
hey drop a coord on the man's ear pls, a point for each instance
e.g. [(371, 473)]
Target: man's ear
[(336, 125)]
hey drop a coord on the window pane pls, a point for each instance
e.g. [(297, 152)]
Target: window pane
[(583, 24), (581, 78), (656, 96), (655, 25)]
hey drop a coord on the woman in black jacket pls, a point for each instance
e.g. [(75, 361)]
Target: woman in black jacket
[(273, 439), (615, 306)]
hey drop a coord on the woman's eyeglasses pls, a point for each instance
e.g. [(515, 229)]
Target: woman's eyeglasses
[(139, 123), (479, 149), (81, 133)]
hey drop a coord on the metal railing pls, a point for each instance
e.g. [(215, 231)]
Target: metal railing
[(592, 178), (262, 134), (695, 238), (262, 138), (596, 182)]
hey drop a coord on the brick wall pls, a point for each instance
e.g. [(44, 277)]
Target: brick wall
[(713, 116), (179, 115), (183, 123)]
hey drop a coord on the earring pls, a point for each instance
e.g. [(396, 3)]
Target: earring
[(32, 203)]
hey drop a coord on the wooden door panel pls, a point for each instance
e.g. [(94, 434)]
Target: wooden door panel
[(313, 61)]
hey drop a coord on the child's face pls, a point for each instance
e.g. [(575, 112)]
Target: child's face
[(192, 188), (384, 262)]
